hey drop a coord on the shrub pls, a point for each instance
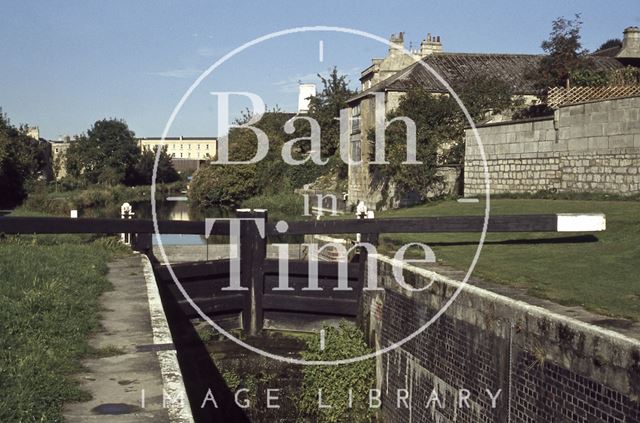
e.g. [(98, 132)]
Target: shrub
[(280, 206), (222, 184), (343, 342)]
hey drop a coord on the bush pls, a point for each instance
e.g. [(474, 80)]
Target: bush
[(343, 342), (280, 206), (40, 200), (222, 185)]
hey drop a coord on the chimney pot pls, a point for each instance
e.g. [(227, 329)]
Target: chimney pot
[(630, 43)]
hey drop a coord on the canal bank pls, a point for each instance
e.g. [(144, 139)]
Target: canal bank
[(139, 378)]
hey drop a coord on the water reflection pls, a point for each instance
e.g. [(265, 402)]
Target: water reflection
[(182, 210)]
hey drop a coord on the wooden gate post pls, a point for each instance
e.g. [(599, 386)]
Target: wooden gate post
[(253, 251), (371, 238)]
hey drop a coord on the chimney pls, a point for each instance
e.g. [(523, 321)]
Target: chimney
[(630, 44), (430, 45), (305, 92), (397, 44)]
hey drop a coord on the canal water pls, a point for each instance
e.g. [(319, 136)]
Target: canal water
[(177, 210), (166, 210)]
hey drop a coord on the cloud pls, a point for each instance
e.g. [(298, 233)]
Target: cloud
[(182, 73), (207, 51), (290, 85)]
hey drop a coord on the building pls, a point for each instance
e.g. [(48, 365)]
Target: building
[(185, 148), (305, 92), (628, 53), (398, 72), (33, 132), (59, 156), (186, 152)]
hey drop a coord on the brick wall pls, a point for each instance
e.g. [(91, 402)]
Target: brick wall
[(590, 147), (548, 367)]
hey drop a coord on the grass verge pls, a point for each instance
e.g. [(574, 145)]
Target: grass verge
[(94, 197), (49, 305), (597, 271), (286, 205)]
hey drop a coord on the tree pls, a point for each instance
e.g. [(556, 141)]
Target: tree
[(325, 108), (22, 160), (628, 75), (222, 184), (611, 43), (230, 184), (272, 175), (107, 154), (440, 125), (165, 171), (564, 54)]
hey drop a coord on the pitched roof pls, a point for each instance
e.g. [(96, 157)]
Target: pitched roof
[(608, 52), (460, 67)]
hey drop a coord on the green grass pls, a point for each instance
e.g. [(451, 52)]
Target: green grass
[(602, 276), (49, 305)]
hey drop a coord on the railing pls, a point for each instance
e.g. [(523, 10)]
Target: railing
[(559, 96)]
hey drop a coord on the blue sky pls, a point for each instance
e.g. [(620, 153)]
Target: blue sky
[(66, 64)]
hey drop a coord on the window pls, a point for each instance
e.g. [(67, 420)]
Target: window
[(355, 119), (356, 151)]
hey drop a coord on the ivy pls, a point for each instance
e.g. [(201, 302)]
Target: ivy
[(600, 78), (335, 381)]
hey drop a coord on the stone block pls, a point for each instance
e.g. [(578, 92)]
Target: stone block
[(577, 144), (621, 141), (594, 130), (613, 128), (631, 126), (530, 147), (598, 143), (545, 146), (502, 149), (576, 110), (516, 148), (564, 133), (599, 117)]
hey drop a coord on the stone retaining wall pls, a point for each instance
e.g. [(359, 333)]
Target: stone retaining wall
[(589, 147), (545, 367)]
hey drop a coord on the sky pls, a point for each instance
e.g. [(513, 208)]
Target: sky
[(66, 64)]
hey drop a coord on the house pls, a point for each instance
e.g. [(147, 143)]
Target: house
[(399, 71), (59, 156)]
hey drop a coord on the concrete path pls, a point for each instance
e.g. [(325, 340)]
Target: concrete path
[(127, 383)]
